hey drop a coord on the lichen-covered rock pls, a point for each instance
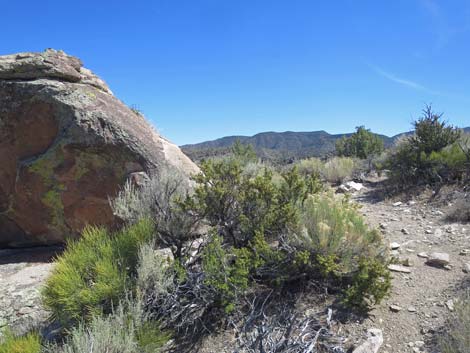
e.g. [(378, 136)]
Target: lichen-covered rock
[(66, 145)]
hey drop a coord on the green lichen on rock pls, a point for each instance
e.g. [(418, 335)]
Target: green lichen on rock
[(90, 94), (86, 161), (45, 167), (53, 201)]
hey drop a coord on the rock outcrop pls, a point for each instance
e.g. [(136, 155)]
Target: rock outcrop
[(66, 145)]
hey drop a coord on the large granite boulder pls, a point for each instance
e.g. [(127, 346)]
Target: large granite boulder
[(66, 145)]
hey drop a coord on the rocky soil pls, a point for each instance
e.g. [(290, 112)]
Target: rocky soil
[(423, 295), (22, 272)]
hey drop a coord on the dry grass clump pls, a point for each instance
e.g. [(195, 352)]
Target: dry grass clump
[(457, 337)]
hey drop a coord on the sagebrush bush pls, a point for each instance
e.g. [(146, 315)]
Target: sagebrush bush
[(335, 170), (126, 330), (94, 272), (338, 169), (333, 241), (331, 225), (460, 210), (160, 199), (310, 166), (11, 343), (456, 339), (153, 271)]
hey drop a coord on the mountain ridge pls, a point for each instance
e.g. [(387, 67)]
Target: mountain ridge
[(283, 145)]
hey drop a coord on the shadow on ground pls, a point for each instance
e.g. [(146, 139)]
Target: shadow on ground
[(25, 255)]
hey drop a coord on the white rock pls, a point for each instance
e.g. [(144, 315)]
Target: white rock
[(354, 186), (419, 344), (396, 204), (464, 252), (466, 267), (394, 246), (398, 268), (423, 255), (395, 308), (405, 231), (373, 343), (343, 189), (438, 259), (450, 304)]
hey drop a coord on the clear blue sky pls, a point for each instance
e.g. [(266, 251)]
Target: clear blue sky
[(202, 69)]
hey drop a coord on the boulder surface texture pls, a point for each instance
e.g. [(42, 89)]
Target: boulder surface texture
[(67, 144)]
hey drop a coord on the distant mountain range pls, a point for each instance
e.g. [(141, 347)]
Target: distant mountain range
[(279, 145)]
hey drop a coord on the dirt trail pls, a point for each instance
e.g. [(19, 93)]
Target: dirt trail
[(424, 296)]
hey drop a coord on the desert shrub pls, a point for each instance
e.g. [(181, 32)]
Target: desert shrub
[(435, 153), (333, 242), (431, 133), (333, 226), (238, 205), (128, 204), (370, 283), (361, 144), (244, 153), (460, 210), (227, 276), (11, 343), (125, 330), (94, 272), (456, 339), (310, 166), (152, 271), (337, 169), (408, 167), (160, 199)]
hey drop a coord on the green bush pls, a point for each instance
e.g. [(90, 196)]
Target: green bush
[(94, 272), (370, 284), (333, 242), (361, 144), (29, 343), (238, 205), (227, 273), (436, 153), (431, 133), (456, 339), (244, 153)]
